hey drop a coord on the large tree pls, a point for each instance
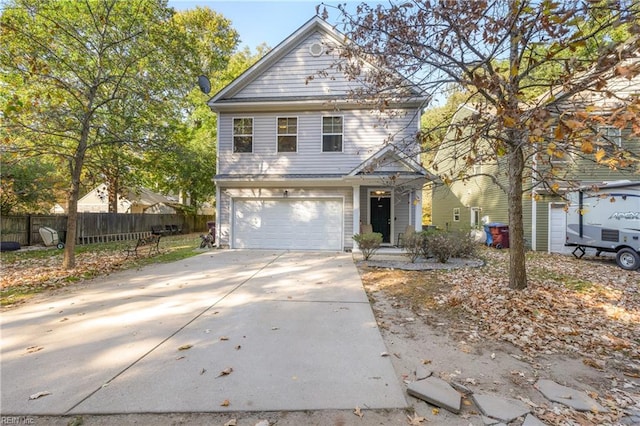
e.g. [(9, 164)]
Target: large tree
[(190, 166), (499, 52), (71, 69)]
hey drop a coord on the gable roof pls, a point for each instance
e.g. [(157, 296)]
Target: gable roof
[(391, 157), (271, 73)]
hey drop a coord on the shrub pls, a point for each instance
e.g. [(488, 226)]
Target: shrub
[(412, 245), (369, 243), (440, 245), (464, 244)]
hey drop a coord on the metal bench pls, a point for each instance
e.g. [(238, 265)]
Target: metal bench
[(152, 242)]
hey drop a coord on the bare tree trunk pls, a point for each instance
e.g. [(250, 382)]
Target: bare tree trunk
[(69, 259), (517, 268), (113, 190)]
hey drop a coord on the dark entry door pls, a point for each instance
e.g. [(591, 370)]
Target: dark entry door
[(381, 217)]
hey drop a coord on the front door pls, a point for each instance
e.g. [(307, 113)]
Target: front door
[(381, 216)]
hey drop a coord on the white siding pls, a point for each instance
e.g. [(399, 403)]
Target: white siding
[(363, 136)]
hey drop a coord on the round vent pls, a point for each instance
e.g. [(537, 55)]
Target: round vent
[(315, 49)]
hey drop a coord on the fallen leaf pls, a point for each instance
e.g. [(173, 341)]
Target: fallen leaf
[(225, 372), (224, 338), (203, 371), (32, 349), (232, 422), (415, 420), (225, 403), (77, 421), (238, 347), (185, 347), (275, 328), (179, 358), (426, 361), (384, 354), (39, 394), (435, 411), (358, 412)]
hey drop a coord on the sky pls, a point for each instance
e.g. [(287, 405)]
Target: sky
[(264, 21)]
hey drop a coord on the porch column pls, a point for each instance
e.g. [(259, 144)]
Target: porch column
[(417, 209), (356, 215), (218, 216)]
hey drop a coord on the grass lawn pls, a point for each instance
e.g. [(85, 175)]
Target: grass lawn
[(26, 273)]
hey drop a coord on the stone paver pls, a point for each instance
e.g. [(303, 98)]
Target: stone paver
[(568, 396), (437, 392), (504, 409), (532, 420)]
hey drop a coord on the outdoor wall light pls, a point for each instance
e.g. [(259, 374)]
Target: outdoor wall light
[(285, 194)]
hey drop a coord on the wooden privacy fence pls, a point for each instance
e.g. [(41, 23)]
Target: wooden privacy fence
[(96, 227)]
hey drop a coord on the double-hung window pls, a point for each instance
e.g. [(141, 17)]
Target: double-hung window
[(287, 134), (243, 135), (332, 131), (612, 135)]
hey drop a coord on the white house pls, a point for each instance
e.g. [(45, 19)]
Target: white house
[(302, 166), (139, 201)]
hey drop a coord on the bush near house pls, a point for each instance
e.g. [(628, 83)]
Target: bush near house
[(439, 244), (369, 243)]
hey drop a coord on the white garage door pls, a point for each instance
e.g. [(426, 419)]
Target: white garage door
[(557, 229), (300, 224)]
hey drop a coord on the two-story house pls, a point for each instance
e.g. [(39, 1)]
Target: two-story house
[(471, 202), (301, 164)]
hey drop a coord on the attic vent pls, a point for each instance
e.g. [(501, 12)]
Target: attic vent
[(315, 49)]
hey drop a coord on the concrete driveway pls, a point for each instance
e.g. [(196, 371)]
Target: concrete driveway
[(294, 330)]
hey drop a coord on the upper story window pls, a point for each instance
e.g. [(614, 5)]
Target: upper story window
[(287, 134), (243, 135), (332, 131), (456, 214), (612, 135)]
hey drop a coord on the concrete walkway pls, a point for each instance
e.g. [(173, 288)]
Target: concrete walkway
[(295, 331)]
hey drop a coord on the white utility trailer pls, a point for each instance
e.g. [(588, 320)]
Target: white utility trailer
[(606, 217)]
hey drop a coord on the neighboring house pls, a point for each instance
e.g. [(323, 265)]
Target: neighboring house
[(472, 202), (139, 201), (300, 166)]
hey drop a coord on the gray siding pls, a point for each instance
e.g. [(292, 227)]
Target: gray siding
[(288, 77), (363, 136)]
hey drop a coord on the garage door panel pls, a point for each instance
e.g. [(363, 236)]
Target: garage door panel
[(288, 224), (557, 230)]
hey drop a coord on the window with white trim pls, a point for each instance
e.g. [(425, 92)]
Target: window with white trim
[(287, 134), (456, 214), (243, 135), (611, 134), (332, 132), (475, 217)]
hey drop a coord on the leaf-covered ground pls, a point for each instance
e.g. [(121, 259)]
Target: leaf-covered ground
[(588, 307), (34, 270)]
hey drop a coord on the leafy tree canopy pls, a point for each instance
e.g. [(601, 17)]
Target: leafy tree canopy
[(502, 54)]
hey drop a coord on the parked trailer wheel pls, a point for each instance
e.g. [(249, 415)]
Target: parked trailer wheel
[(60, 246), (628, 259)]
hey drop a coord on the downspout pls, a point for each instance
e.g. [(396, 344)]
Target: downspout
[(534, 221), (580, 205)]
